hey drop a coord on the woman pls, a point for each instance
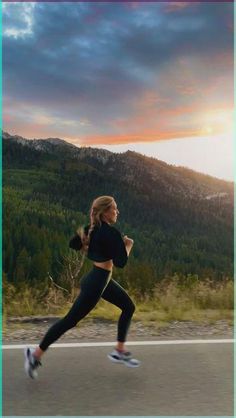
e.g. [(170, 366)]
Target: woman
[(105, 246)]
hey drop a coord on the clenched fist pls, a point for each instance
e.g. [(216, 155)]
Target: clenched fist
[(128, 241)]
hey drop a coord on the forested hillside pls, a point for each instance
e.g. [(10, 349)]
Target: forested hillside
[(181, 221)]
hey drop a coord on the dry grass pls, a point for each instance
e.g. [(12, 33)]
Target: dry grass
[(199, 301)]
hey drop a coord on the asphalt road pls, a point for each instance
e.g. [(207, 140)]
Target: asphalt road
[(173, 380)]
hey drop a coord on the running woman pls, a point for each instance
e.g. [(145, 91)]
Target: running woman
[(104, 245)]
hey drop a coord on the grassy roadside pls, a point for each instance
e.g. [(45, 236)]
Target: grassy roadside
[(200, 301)]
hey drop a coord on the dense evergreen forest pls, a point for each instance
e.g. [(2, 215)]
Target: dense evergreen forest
[(181, 221)]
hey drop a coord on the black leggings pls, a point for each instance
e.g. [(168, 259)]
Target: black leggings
[(96, 284)]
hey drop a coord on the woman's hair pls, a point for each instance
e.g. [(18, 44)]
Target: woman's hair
[(100, 205)]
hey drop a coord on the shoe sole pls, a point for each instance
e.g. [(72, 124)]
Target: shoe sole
[(33, 374), (131, 365), (114, 360), (122, 362)]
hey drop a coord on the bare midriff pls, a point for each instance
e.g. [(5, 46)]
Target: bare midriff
[(106, 265)]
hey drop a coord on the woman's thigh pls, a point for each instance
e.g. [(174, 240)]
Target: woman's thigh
[(116, 294), (91, 290)]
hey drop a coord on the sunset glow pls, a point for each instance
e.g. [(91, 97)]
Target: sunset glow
[(118, 74)]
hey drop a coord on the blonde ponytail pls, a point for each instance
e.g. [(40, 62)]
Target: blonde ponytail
[(100, 205)]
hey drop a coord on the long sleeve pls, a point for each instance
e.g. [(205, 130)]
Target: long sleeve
[(75, 243), (105, 243), (120, 256)]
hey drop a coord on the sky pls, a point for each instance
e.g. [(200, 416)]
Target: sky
[(156, 78)]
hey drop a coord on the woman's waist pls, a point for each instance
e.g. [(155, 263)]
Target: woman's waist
[(105, 265)]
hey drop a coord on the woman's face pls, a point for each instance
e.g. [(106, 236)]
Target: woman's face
[(110, 215)]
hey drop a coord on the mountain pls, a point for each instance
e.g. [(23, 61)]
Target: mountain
[(132, 165), (58, 147), (180, 220)]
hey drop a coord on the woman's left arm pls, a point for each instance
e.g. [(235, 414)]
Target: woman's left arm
[(120, 255), (75, 243)]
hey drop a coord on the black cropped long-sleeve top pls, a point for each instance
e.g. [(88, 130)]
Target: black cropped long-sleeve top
[(106, 243)]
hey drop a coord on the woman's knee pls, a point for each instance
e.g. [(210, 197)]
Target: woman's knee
[(130, 308)]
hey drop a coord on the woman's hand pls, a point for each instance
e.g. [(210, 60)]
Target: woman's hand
[(128, 243), (128, 240)]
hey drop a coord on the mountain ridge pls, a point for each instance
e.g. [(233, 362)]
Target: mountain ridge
[(180, 220), (133, 158)]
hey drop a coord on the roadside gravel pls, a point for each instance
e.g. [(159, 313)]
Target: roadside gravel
[(32, 329)]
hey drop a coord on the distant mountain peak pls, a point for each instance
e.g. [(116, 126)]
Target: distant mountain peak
[(132, 167), (56, 141), (53, 141), (6, 135)]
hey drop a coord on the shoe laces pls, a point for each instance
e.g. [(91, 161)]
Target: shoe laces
[(35, 362)]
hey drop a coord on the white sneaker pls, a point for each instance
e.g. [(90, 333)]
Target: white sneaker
[(31, 363), (123, 357)]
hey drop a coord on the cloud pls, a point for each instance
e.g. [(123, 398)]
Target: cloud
[(18, 19), (121, 67)]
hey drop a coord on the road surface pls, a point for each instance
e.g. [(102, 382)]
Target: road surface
[(173, 380)]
